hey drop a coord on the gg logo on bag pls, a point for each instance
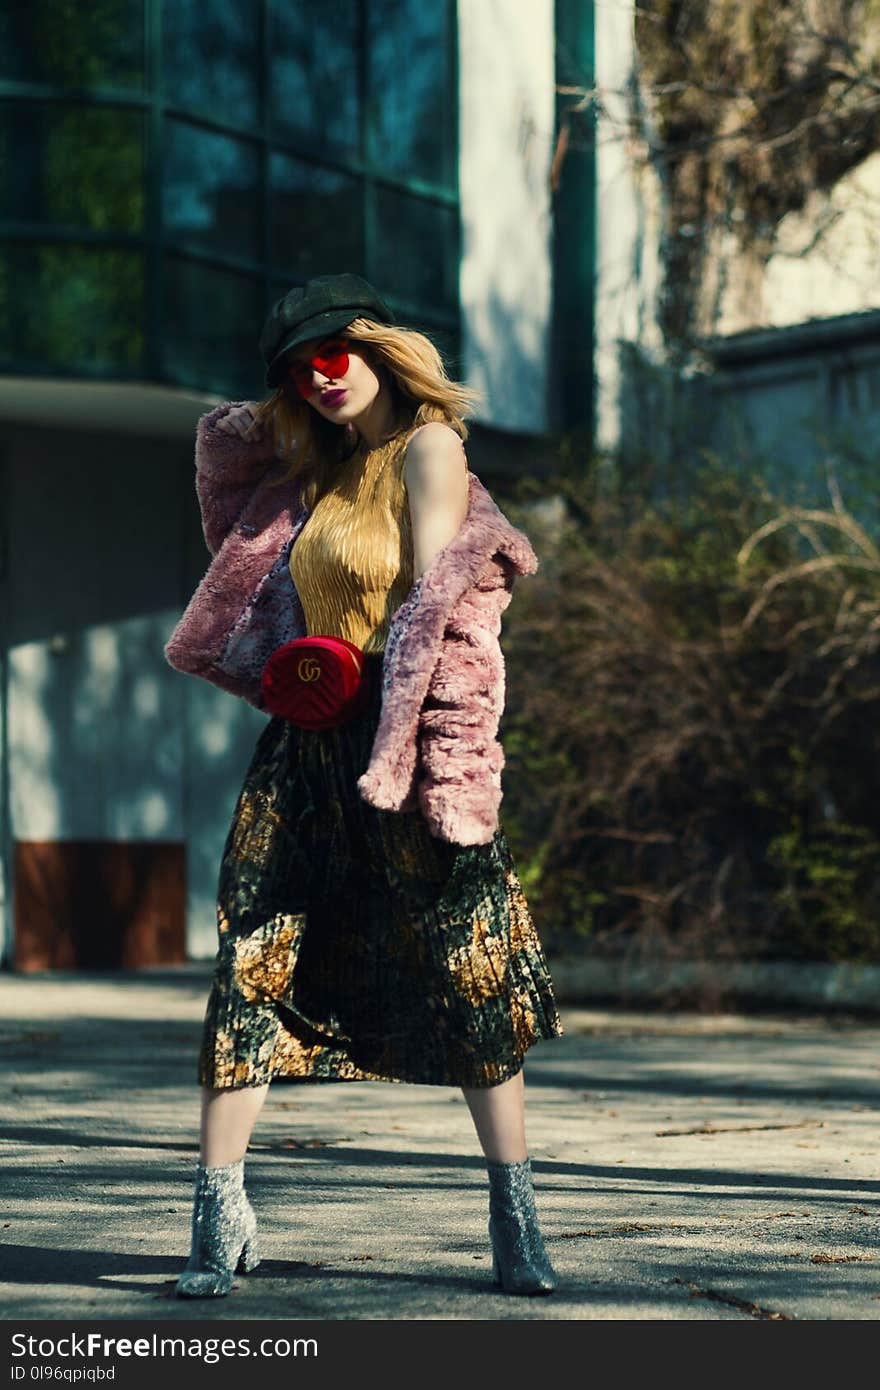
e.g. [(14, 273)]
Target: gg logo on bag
[(317, 682)]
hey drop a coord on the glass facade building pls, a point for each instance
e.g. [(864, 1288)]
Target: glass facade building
[(168, 169)]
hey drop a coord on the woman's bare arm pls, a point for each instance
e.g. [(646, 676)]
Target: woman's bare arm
[(435, 472)]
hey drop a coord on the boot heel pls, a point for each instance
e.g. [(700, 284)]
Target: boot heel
[(249, 1258)]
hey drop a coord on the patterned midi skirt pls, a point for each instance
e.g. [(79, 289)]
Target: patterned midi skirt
[(353, 944)]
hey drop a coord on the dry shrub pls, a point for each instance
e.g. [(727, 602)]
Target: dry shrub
[(693, 727)]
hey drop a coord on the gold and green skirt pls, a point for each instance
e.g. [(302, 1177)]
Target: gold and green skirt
[(353, 944)]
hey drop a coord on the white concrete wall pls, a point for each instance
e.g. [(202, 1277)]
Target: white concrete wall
[(95, 532), (95, 736), (105, 740), (629, 220), (825, 261), (506, 120)]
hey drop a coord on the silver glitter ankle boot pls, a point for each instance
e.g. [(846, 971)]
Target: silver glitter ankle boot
[(224, 1233), (520, 1264)]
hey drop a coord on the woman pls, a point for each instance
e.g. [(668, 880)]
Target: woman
[(371, 922)]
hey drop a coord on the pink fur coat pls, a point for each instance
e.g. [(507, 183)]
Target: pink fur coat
[(443, 678)]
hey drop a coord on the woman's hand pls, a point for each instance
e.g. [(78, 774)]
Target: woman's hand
[(435, 473), (241, 420)]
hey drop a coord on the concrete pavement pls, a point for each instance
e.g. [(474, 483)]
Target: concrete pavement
[(687, 1166)]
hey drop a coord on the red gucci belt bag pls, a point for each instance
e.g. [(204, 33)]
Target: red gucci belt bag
[(317, 682)]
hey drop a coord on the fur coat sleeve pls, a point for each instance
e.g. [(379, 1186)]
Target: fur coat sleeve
[(246, 604), (436, 747), (461, 758), (227, 470)]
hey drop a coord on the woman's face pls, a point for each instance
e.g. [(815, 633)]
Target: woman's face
[(336, 379)]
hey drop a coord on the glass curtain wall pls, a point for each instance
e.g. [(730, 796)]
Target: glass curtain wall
[(168, 168)]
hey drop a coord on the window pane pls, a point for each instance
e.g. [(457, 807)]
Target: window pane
[(411, 96), (211, 329), (71, 308), (211, 189), (211, 57), (76, 165), (416, 249), (313, 75), (73, 44), (317, 219)]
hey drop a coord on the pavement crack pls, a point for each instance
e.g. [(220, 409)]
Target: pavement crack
[(289, 1142), (628, 1228), (754, 1310), (709, 1128), (820, 1258)]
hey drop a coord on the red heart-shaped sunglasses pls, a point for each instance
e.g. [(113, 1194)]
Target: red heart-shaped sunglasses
[(331, 360)]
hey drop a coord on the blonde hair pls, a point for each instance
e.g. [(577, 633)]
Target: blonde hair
[(421, 388)]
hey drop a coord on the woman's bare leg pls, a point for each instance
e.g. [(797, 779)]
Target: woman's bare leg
[(224, 1227), (520, 1263), (498, 1113), (228, 1118)]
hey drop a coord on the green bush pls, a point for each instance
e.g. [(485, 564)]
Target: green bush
[(693, 724)]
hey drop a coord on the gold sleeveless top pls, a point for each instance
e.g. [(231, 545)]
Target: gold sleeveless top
[(352, 562)]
